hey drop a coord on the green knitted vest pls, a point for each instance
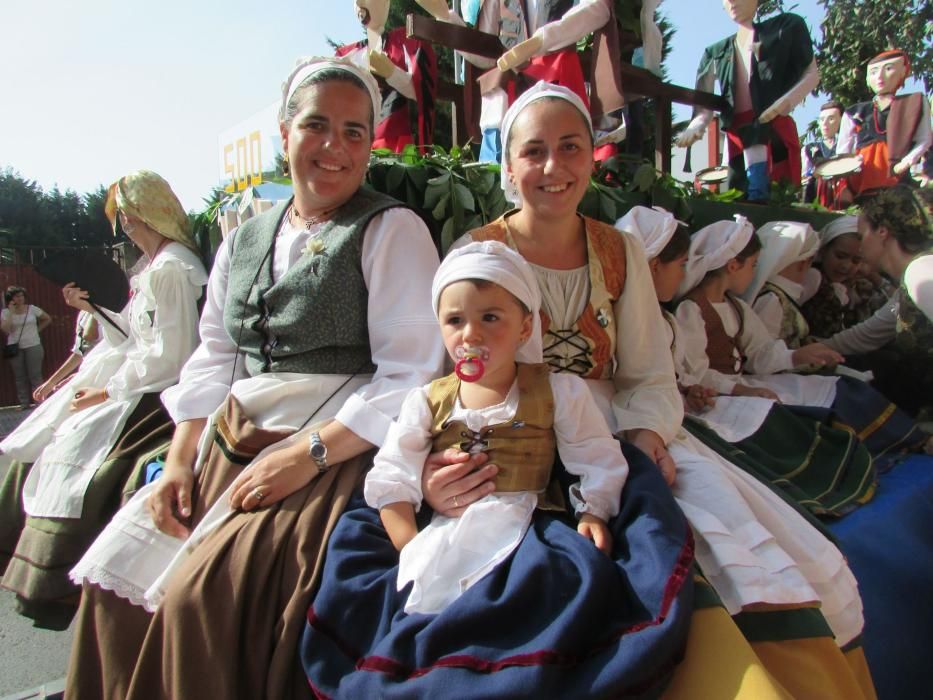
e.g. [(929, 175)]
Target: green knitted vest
[(314, 319)]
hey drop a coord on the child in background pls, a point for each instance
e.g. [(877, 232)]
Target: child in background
[(828, 310), (501, 399), (724, 338), (823, 469), (776, 290)]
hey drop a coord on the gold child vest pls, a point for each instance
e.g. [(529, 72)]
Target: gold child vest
[(523, 448), (593, 336)]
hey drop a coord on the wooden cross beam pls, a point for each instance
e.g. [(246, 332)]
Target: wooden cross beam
[(637, 83)]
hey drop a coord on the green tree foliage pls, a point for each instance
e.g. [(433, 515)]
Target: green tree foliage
[(31, 217), (854, 31)]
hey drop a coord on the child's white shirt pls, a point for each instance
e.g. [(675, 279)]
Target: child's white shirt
[(451, 554), (764, 354)]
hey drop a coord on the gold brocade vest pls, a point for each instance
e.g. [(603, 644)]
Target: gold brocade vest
[(523, 448), (794, 327), (592, 337)]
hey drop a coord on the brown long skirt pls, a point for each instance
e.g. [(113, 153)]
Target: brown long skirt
[(233, 613), (36, 554)]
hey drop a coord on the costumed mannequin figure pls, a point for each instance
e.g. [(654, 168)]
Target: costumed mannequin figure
[(819, 151), (891, 132), (764, 70), (540, 39), (407, 73)]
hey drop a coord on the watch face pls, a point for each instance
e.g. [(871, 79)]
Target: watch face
[(318, 450)]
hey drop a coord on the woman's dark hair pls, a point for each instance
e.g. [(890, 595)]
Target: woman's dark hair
[(12, 292), (833, 104), (906, 213), (328, 75), (677, 247)]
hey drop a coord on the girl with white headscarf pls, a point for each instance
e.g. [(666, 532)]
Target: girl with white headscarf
[(310, 340), (467, 591), (76, 456), (842, 295), (775, 293)]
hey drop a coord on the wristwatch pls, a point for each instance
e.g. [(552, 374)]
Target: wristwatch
[(317, 450)]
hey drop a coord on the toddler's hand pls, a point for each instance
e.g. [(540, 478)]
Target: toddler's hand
[(596, 530)]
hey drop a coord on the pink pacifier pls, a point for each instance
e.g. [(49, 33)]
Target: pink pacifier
[(469, 366)]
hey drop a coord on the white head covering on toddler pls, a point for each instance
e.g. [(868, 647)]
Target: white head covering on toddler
[(497, 263), (783, 243), (712, 247), (538, 91)]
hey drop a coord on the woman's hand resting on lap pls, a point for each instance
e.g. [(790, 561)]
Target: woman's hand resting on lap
[(452, 480)]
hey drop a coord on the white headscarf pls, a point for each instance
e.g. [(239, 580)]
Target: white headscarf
[(537, 91), (783, 243), (838, 227), (309, 65), (713, 246), (497, 263), (655, 227)]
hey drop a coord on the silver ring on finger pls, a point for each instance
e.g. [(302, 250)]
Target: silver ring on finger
[(456, 503), (258, 495)]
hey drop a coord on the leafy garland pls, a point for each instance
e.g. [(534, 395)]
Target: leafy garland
[(454, 194)]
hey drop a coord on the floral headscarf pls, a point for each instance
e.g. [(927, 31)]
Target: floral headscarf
[(906, 212), (148, 197)]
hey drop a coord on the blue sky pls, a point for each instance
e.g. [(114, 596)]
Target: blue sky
[(94, 89)]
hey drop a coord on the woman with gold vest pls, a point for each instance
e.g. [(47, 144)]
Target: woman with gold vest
[(601, 320), (310, 339)]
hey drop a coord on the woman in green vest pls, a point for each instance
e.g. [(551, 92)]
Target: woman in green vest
[(310, 339)]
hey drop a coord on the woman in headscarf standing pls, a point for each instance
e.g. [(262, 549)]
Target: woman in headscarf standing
[(316, 325), (70, 477)]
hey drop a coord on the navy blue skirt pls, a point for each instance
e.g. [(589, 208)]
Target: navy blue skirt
[(557, 619)]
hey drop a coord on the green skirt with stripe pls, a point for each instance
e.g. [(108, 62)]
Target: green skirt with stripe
[(826, 470)]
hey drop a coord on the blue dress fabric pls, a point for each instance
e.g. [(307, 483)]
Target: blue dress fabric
[(885, 429), (889, 546), (557, 619)]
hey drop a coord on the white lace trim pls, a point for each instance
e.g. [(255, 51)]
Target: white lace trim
[(98, 576)]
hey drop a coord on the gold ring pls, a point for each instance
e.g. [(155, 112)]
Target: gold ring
[(258, 495), (456, 505)]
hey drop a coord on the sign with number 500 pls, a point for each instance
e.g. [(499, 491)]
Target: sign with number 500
[(248, 151)]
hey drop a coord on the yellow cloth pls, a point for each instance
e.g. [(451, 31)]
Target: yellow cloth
[(148, 197)]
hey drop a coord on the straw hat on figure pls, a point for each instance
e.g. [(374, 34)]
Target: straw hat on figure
[(764, 70), (891, 132), (407, 73)]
